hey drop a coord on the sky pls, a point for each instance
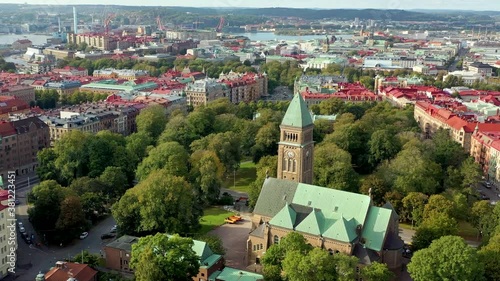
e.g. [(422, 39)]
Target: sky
[(483, 5)]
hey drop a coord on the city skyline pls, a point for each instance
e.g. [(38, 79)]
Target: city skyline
[(476, 5)]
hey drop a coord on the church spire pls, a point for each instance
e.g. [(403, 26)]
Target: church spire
[(297, 114)]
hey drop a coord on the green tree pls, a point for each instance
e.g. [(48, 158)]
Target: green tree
[(433, 227), (87, 258), (471, 172), (160, 257), (214, 242), (46, 199), (448, 258), (152, 120), (332, 168), (206, 172), (71, 220), (377, 272), (46, 164), (447, 152), (71, 161), (115, 180), (266, 141), (438, 203), (137, 145), (267, 166), (178, 129), (170, 156), (225, 145), (411, 171), (414, 204), (375, 186), (317, 264), (165, 203), (383, 145), (345, 266), (202, 121), (331, 106), (489, 256), (322, 128)]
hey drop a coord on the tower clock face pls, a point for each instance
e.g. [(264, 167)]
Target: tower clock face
[(290, 154)]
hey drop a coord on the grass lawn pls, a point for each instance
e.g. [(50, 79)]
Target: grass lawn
[(213, 217), (465, 230), (244, 176)]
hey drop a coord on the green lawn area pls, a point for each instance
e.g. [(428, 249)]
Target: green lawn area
[(213, 217), (465, 230), (244, 176)]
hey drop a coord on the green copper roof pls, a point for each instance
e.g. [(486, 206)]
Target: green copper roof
[(297, 114), (375, 227), (312, 223), (341, 230), (202, 249), (233, 274), (285, 218), (333, 202)]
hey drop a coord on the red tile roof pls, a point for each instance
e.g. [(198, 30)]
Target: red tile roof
[(6, 129), (64, 270)]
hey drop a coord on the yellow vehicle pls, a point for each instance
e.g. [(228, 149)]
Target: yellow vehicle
[(230, 220)]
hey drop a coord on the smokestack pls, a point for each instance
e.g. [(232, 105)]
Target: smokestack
[(75, 21), (59, 23)]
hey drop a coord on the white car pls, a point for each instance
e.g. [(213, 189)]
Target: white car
[(22, 230), (84, 235), (114, 228)]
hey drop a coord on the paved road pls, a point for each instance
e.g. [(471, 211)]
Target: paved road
[(33, 259), (461, 53)]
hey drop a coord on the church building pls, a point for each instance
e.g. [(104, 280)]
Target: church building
[(335, 220)]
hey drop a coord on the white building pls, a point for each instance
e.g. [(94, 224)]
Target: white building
[(468, 77)]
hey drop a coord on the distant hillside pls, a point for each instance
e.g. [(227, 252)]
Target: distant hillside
[(398, 15)]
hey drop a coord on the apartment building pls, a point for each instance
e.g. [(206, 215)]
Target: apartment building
[(12, 105), (23, 92), (245, 87), (63, 87), (127, 74), (201, 92), (432, 117), (7, 225), (119, 252), (20, 140)]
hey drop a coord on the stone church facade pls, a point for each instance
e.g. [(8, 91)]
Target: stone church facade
[(335, 220)]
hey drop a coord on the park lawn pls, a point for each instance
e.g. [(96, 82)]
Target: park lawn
[(241, 180), (467, 231), (212, 218)]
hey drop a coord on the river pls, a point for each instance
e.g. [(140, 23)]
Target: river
[(266, 36), (7, 39)]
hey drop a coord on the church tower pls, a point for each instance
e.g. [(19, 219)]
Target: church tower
[(295, 149)]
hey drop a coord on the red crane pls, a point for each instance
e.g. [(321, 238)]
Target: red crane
[(221, 25), (107, 21)]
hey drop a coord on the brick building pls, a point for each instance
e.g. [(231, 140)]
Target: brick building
[(334, 220), (23, 92), (20, 142), (65, 271), (119, 252), (12, 105)]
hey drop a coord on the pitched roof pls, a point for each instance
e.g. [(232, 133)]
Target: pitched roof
[(341, 230), (285, 218), (313, 223), (64, 270), (233, 274), (297, 114), (375, 227), (274, 195)]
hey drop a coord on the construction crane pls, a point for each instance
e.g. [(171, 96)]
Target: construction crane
[(107, 21), (221, 25), (161, 27)]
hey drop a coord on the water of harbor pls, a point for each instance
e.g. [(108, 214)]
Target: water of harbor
[(267, 36), (7, 39)]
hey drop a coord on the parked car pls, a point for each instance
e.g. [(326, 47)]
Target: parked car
[(26, 238), (84, 235), (17, 202), (108, 236), (114, 229)]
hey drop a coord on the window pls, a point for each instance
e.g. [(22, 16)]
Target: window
[(261, 247), (276, 239), (254, 248)]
